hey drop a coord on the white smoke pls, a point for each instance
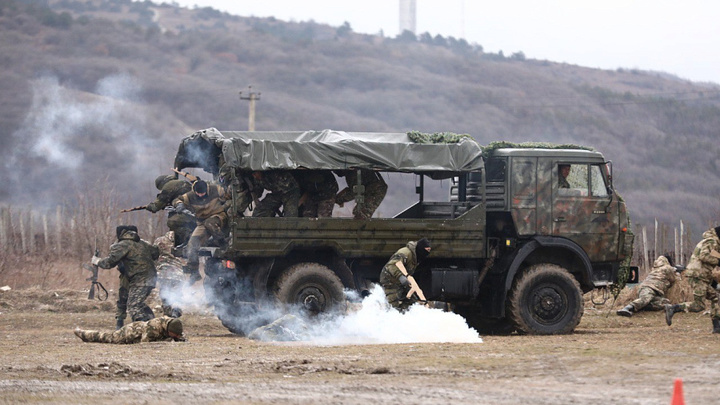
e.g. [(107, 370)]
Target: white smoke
[(378, 323), (372, 321), (60, 116)]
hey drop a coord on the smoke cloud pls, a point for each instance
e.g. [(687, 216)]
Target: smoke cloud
[(370, 321), (70, 138), (375, 322)]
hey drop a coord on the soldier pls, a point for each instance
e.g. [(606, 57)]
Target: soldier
[(318, 188), (163, 328), (181, 223), (123, 284), (652, 290), (283, 191), (704, 259), (245, 193), (137, 257), (208, 202), (563, 172), (375, 189), (170, 274), (394, 277)]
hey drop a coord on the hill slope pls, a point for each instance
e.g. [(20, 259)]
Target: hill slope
[(107, 88)]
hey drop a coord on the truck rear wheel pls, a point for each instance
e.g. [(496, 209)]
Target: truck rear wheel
[(546, 300), (310, 286)]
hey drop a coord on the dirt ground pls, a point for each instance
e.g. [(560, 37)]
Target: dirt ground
[(609, 359)]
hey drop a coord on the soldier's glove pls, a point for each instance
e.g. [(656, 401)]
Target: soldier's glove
[(182, 209), (405, 283), (95, 260)]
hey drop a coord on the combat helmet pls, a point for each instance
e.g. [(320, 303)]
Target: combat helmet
[(161, 181), (175, 326)]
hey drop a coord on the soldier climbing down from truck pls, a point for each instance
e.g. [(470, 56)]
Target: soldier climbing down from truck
[(208, 202), (181, 223)]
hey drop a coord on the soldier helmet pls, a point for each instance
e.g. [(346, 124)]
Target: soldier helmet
[(175, 326), (161, 181), (200, 187), (121, 229)]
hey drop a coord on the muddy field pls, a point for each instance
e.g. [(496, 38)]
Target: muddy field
[(608, 359)]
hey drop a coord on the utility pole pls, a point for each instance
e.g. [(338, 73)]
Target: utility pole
[(252, 96)]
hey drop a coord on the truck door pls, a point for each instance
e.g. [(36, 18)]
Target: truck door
[(584, 210), (524, 194)]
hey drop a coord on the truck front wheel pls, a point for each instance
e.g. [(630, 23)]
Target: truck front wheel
[(546, 300), (310, 286)]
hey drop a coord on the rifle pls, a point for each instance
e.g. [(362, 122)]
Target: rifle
[(414, 287), (102, 293), (138, 208), (187, 175)]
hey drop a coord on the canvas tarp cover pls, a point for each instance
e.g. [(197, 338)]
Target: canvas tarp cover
[(331, 150)]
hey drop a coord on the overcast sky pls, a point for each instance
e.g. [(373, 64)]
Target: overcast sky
[(678, 37)]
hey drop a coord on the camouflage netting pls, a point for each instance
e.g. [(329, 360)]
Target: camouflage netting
[(488, 150), (437, 137)]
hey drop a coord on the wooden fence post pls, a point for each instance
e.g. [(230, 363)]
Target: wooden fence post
[(46, 234), (23, 233), (645, 248), (31, 231), (58, 229), (4, 229)]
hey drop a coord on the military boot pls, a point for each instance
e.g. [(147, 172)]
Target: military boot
[(716, 325), (119, 322), (670, 310), (627, 311), (193, 271)]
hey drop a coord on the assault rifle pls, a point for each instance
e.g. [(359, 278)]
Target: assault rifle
[(414, 287), (138, 208), (187, 175), (102, 293)]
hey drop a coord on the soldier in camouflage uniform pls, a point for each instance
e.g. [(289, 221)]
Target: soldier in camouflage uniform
[(163, 328), (170, 274), (698, 273), (138, 259), (318, 189), (181, 223), (375, 190), (652, 290), (209, 204), (283, 191), (393, 280)]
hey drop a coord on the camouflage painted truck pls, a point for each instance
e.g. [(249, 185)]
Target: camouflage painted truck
[(512, 249)]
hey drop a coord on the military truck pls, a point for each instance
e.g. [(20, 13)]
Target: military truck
[(514, 245)]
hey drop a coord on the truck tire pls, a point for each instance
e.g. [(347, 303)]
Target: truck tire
[(310, 286), (545, 300)]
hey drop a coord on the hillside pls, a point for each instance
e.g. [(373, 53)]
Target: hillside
[(101, 89)]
